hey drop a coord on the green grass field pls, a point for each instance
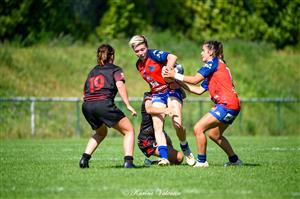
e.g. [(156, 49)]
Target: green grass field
[(34, 168)]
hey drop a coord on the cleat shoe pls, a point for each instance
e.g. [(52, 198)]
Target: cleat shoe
[(149, 162), (237, 163), (129, 165), (189, 157), (84, 161), (201, 164), (163, 162)]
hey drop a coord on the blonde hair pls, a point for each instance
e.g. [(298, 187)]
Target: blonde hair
[(137, 40)]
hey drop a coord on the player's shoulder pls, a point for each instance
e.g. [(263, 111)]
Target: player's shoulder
[(113, 67), (156, 54)]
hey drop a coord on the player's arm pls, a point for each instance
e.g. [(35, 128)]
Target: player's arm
[(197, 78), (198, 90), (171, 60), (123, 94), (154, 110)]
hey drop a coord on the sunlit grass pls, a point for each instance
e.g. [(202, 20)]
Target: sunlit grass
[(49, 169)]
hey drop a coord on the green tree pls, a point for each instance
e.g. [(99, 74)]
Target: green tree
[(121, 19)]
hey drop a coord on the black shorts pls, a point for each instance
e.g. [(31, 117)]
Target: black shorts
[(147, 143), (99, 112)]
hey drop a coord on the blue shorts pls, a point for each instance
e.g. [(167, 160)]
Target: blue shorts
[(163, 97), (223, 114)]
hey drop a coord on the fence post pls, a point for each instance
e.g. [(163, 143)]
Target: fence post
[(78, 117), (32, 112), (240, 118), (279, 125)]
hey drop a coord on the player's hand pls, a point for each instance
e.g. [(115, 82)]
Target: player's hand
[(168, 73), (132, 110)]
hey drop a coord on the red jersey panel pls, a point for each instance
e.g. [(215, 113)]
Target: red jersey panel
[(151, 69), (218, 82)]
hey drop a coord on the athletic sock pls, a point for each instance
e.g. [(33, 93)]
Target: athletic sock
[(233, 158), (184, 145), (201, 158), (128, 157), (163, 151), (86, 156)]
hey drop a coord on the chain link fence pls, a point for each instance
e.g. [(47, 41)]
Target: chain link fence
[(56, 117)]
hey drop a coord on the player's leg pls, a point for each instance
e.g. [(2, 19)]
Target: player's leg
[(216, 134), (125, 127), (160, 101), (176, 106), (160, 138), (226, 117), (208, 121), (93, 143), (175, 157)]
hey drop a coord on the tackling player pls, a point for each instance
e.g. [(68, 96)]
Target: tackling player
[(146, 137), (149, 64), (100, 89), (216, 78)]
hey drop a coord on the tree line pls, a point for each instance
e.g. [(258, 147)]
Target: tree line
[(33, 21)]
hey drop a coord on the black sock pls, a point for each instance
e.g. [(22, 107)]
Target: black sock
[(128, 158), (86, 156)]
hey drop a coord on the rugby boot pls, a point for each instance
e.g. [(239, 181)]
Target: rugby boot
[(84, 161)]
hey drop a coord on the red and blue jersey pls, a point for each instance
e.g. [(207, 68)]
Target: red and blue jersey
[(218, 82), (151, 69)]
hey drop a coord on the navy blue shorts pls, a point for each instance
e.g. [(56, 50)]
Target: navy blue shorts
[(223, 114), (163, 97)]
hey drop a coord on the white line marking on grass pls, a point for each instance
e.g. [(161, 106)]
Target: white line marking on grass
[(285, 149)]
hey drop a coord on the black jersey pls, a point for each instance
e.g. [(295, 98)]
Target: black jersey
[(146, 124), (101, 82)]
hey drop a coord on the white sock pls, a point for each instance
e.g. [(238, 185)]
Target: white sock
[(183, 143)]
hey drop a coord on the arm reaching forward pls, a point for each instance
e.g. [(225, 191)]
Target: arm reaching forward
[(123, 93)]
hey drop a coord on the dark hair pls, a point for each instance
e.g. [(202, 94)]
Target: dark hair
[(216, 47), (105, 54)]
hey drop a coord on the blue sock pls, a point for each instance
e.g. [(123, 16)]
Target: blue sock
[(163, 151), (184, 147), (201, 158), (233, 158)]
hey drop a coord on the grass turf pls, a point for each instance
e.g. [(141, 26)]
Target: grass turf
[(35, 168)]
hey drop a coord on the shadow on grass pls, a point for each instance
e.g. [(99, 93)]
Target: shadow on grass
[(251, 165), (148, 166)]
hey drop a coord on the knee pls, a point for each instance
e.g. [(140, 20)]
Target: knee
[(101, 132), (129, 132), (213, 136), (198, 130), (178, 125), (180, 158)]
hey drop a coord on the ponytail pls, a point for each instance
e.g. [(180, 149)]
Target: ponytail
[(216, 47), (105, 54)]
